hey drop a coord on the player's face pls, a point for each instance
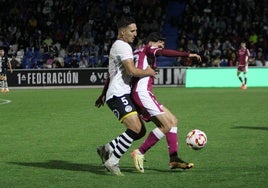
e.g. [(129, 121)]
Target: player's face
[(129, 33), (2, 52)]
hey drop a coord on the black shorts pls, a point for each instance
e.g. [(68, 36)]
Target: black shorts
[(122, 107)]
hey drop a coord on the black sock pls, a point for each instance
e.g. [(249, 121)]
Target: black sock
[(240, 79)]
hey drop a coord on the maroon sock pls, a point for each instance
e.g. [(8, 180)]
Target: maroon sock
[(153, 137)]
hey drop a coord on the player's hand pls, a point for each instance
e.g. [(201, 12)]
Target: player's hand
[(198, 57), (150, 71), (100, 101)]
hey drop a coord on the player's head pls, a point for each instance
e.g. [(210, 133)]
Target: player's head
[(243, 44), (127, 29), (155, 39), (2, 51)]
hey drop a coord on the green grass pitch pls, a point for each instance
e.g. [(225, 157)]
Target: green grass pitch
[(48, 138)]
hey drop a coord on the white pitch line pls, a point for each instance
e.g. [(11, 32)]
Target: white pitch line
[(4, 101)]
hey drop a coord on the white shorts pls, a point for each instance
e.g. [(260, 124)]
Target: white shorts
[(147, 104)]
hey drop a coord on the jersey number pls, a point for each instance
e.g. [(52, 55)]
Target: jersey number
[(124, 100)]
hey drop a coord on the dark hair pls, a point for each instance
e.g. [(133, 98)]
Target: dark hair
[(154, 37), (125, 21)]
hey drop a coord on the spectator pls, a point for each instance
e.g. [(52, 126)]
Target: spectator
[(83, 62)]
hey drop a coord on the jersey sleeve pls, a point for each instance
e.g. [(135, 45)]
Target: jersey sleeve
[(151, 51), (171, 53), (125, 51)]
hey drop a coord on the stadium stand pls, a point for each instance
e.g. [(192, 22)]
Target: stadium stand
[(58, 33)]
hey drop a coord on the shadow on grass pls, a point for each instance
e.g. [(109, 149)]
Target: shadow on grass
[(251, 127), (64, 165), (96, 169)]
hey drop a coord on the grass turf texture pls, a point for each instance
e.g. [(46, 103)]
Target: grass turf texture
[(48, 138)]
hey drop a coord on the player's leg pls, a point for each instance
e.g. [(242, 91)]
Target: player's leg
[(239, 77), (2, 82), (245, 78), (138, 154), (125, 140), (106, 150), (5, 84), (163, 127), (173, 142), (134, 126), (149, 108)]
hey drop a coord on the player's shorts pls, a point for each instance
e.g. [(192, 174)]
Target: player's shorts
[(2, 76), (242, 68), (147, 104), (122, 107)]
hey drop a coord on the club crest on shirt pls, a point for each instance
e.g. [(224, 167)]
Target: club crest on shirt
[(128, 108)]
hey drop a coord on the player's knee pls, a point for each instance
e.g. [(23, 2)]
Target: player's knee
[(141, 133), (173, 121), (136, 136), (165, 129)]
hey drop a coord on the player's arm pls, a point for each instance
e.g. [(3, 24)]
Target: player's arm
[(101, 99), (9, 65), (175, 53), (134, 71), (247, 57)]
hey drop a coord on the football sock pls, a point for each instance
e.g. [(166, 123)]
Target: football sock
[(153, 137), (2, 85), (245, 80), (172, 141), (5, 84), (111, 145), (240, 79), (124, 142)]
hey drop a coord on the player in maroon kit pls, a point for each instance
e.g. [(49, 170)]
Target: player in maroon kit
[(148, 106), (242, 64)]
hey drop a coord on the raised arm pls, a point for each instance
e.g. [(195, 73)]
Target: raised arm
[(175, 53)]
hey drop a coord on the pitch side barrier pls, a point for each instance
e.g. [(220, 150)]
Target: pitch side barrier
[(166, 77), (89, 77), (225, 77)]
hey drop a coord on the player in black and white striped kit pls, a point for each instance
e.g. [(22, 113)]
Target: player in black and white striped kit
[(4, 66), (117, 94)]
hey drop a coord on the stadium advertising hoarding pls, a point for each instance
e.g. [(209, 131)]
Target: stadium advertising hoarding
[(83, 77), (225, 77)]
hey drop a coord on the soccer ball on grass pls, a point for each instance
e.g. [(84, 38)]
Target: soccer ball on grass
[(196, 139)]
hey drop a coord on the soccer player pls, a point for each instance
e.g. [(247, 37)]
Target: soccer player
[(4, 66), (121, 69), (242, 64), (149, 107)]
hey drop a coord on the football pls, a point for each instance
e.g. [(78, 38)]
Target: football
[(196, 139)]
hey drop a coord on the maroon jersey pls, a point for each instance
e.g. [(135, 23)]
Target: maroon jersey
[(145, 56), (243, 55), (142, 95)]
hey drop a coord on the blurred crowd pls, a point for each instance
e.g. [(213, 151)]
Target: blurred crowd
[(215, 29), (79, 33), (70, 33)]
